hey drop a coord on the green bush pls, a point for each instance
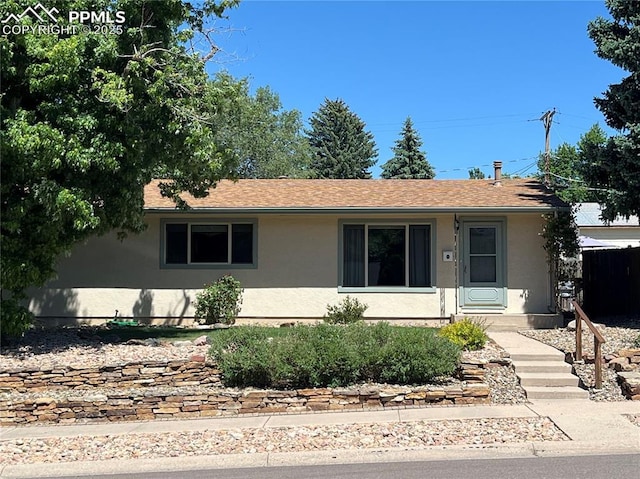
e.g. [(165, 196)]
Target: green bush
[(219, 302), (328, 355), (15, 319), (636, 343), (243, 353), (469, 335), (416, 356), (350, 310)]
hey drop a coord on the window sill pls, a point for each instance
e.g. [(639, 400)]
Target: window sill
[(386, 289), (209, 266)]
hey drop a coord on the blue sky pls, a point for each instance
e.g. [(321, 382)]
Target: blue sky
[(475, 77)]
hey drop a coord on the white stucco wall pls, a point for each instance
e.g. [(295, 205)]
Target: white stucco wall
[(296, 275)]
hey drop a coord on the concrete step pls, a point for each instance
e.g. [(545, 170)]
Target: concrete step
[(547, 380), (553, 356), (564, 392), (542, 367)]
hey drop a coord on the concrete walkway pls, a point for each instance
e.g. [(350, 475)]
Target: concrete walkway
[(593, 428)]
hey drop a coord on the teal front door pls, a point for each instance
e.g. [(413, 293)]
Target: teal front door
[(483, 265)]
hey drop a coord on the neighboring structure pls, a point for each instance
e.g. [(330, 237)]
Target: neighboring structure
[(410, 249), (596, 233)]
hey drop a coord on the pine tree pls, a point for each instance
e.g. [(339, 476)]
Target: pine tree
[(340, 146), (616, 166), (408, 162)]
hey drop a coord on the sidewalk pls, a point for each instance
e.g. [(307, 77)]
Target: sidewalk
[(593, 428)]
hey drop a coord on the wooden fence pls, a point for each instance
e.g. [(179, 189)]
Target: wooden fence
[(611, 281)]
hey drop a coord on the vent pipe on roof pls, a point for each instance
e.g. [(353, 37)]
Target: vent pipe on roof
[(497, 166)]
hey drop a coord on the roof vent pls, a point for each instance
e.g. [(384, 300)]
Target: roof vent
[(497, 166)]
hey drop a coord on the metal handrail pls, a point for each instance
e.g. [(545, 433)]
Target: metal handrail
[(598, 341)]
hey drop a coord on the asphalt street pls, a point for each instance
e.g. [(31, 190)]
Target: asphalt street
[(622, 466)]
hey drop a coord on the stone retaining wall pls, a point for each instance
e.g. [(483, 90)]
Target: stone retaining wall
[(191, 389), (149, 405), (627, 364), (192, 372)]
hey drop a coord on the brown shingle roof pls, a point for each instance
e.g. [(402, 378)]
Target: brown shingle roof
[(296, 194)]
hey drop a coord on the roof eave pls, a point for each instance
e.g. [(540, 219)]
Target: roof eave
[(360, 210)]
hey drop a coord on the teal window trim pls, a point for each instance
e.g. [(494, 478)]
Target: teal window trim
[(392, 222), (191, 221)]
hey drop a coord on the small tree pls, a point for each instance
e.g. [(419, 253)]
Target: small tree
[(408, 162), (560, 234)]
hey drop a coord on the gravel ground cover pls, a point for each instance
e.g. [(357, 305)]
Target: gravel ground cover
[(73, 347), (619, 334), (407, 435)]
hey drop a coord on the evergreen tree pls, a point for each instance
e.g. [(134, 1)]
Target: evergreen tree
[(340, 146), (476, 174), (616, 166), (408, 162)]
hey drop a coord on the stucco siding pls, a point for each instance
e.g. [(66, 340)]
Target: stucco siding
[(527, 268), (296, 273)]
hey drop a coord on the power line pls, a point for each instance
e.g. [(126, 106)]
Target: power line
[(467, 168)]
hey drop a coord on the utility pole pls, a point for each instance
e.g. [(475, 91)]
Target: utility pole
[(547, 120)]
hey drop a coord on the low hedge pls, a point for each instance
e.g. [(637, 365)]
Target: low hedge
[(327, 355)]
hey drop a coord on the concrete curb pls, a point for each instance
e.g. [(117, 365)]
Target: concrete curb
[(349, 456)]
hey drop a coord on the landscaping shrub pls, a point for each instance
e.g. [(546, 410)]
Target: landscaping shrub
[(417, 355), (469, 335), (350, 310), (15, 319), (328, 355), (636, 343), (219, 302), (244, 355)]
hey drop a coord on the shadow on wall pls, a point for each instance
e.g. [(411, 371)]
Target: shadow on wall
[(143, 307), (176, 316), (56, 307), (54, 302)]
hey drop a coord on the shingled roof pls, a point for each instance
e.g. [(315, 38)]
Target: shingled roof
[(321, 195)]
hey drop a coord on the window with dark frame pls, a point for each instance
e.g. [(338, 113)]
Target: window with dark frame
[(386, 255), (209, 243)]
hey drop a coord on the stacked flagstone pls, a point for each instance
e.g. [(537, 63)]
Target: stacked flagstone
[(192, 388)]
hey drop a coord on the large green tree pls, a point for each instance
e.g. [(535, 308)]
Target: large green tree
[(567, 163), (88, 118), (616, 166), (409, 161), (340, 145), (267, 141)]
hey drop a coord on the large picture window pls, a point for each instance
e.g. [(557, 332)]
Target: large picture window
[(379, 255), (209, 243)]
